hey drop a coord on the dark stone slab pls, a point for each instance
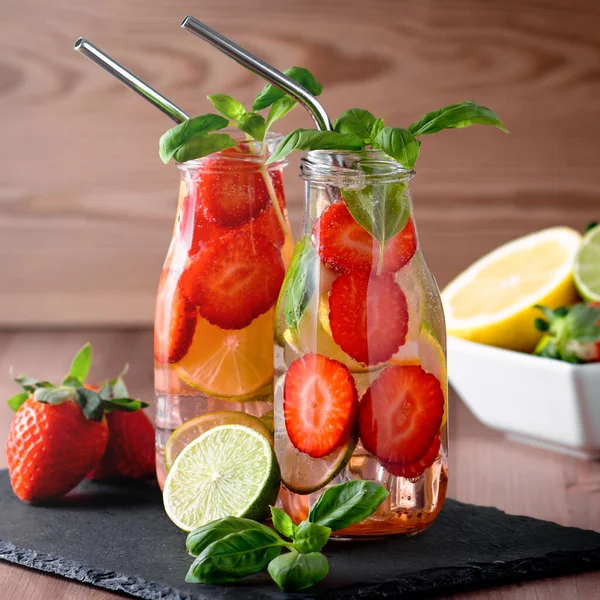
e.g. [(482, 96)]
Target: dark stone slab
[(119, 539)]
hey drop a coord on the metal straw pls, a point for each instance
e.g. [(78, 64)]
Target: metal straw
[(130, 80), (261, 68)]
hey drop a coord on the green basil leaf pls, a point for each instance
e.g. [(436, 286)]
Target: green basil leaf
[(173, 139), (382, 209), (547, 348), (270, 94), (237, 555), (456, 116), (53, 395), (283, 522), (311, 139), (541, 324), (582, 324), (358, 121), (227, 106), (18, 400), (293, 571), (310, 537), (204, 536), (400, 144), (30, 384), (301, 282), (90, 403), (203, 145), (254, 125), (378, 125), (81, 365), (280, 108), (347, 504)]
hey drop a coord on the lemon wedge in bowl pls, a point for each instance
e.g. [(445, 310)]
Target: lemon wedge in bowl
[(491, 302)]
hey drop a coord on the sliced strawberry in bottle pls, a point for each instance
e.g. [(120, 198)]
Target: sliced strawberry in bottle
[(400, 414), (319, 404), (234, 279), (413, 470), (368, 316), (231, 191), (174, 321), (346, 246)]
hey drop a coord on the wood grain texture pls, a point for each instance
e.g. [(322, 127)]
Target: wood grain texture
[(86, 207), (484, 468)]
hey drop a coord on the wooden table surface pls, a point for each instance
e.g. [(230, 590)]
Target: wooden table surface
[(484, 469)]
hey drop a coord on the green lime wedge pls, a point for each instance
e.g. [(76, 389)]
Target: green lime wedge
[(230, 470), (301, 473), (587, 266), (195, 427)]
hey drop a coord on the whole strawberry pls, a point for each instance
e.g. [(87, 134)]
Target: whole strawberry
[(59, 433), (130, 449), (572, 333)]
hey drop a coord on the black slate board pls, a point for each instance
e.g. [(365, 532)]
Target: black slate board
[(120, 539)]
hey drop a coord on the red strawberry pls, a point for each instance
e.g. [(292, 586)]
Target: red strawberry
[(400, 414), (368, 316), (51, 448), (234, 279), (345, 246), (174, 321), (266, 223), (130, 449), (413, 470), (319, 404), (231, 190)]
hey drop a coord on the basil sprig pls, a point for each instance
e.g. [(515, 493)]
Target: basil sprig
[(232, 548), (195, 137), (400, 144)]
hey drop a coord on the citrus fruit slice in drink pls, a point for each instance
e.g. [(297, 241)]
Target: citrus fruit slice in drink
[(194, 428), (492, 301), (230, 470), (230, 363), (299, 472), (587, 266), (428, 353)]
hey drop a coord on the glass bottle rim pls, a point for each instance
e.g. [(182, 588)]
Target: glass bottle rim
[(244, 160), (350, 167)]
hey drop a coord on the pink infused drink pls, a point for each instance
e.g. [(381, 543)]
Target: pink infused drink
[(361, 388), (217, 295)]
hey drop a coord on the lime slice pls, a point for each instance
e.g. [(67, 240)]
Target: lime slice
[(299, 472), (194, 428), (230, 470), (587, 266)]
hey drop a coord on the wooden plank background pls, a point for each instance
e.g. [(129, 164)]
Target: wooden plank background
[(86, 207)]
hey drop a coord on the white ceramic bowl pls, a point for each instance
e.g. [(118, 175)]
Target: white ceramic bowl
[(538, 401)]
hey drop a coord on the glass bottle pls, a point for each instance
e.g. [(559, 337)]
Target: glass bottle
[(213, 332), (361, 385)]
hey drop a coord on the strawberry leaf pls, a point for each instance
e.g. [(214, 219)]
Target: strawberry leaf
[(52, 395), (80, 366), (114, 388), (90, 403), (18, 400), (124, 404), (30, 384)]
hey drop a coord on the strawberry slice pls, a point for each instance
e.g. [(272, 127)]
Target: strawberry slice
[(265, 223), (413, 470), (368, 316), (319, 404), (174, 321), (234, 279), (231, 191), (400, 414), (345, 246)]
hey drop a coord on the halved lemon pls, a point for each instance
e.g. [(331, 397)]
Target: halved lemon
[(492, 301), (230, 363)]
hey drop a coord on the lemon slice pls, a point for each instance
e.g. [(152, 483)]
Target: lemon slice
[(587, 266), (492, 301), (230, 363)]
